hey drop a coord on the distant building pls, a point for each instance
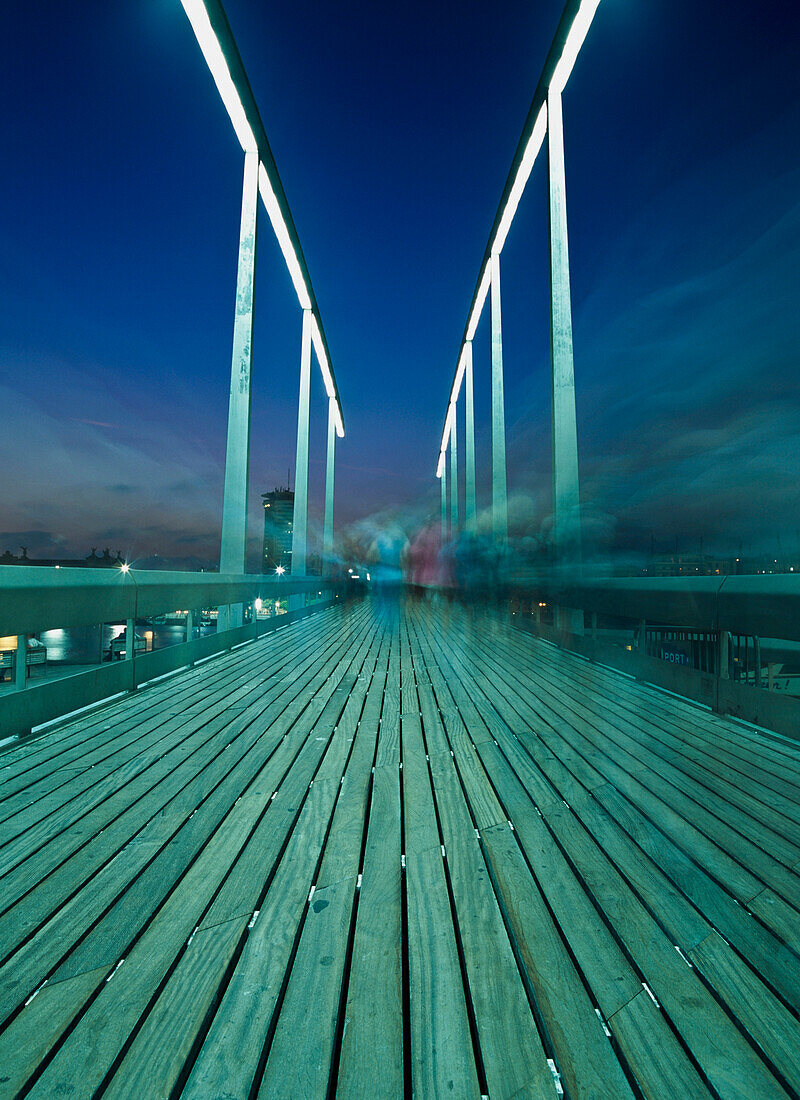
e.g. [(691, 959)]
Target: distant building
[(710, 565), (689, 565), (93, 561), (278, 517)]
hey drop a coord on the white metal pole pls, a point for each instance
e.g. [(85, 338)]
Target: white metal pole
[(499, 498), (327, 539), (444, 502), (237, 458), (470, 509), (300, 518), (566, 493), (454, 476), (21, 662)]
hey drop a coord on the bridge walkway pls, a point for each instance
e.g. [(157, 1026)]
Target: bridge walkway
[(400, 848)]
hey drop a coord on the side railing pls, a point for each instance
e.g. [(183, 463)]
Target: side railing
[(35, 601), (718, 640)]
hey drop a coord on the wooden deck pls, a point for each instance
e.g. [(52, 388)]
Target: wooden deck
[(396, 850)]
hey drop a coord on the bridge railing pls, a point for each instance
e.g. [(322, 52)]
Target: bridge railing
[(35, 599), (642, 625)]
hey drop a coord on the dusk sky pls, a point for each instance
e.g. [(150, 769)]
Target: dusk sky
[(393, 128)]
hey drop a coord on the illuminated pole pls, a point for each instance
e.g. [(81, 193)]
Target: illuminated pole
[(454, 477), (566, 495), (469, 455), (499, 498), (237, 458), (444, 502), (300, 518), (327, 538)]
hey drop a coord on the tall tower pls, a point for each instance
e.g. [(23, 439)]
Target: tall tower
[(278, 513)]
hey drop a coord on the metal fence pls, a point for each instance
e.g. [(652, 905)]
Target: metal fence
[(719, 623)]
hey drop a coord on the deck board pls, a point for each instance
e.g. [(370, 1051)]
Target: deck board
[(522, 868)]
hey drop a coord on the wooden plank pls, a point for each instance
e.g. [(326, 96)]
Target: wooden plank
[(623, 905), (54, 940), (28, 1039), (592, 898), (104, 1028), (228, 1060), (484, 806), (442, 1058), (153, 953), (299, 1062), (767, 828), (502, 1013), (153, 1063), (231, 1052), (594, 691), (688, 747), (608, 972), (133, 813), (685, 925), (420, 829), (668, 905), (777, 914), (51, 751), (389, 740), (764, 950), (57, 846), (144, 730), (584, 1056), (300, 1057), (652, 1051), (748, 750), (728, 1061), (577, 732), (772, 1026), (373, 1024)]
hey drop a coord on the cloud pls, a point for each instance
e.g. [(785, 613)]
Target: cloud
[(687, 388), (94, 423), (59, 469)]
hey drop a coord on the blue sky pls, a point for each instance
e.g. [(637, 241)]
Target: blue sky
[(393, 129)]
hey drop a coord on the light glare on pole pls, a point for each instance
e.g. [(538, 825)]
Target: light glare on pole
[(462, 364), (572, 47), (218, 66), (327, 376), (477, 309), (270, 200), (535, 142)]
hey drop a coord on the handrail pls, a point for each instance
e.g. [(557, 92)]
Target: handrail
[(765, 605), (38, 598), (35, 598)]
